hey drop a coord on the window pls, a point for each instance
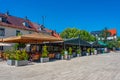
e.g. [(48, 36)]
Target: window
[(30, 32), (2, 19), (26, 24), (17, 32), (40, 29), (2, 32)]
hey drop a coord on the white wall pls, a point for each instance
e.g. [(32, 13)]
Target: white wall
[(12, 32), (109, 38)]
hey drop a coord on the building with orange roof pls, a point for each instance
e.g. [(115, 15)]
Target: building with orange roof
[(112, 36)]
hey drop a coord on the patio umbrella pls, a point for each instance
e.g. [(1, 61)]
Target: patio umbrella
[(31, 38)]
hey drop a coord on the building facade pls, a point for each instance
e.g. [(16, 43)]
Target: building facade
[(112, 36), (13, 26)]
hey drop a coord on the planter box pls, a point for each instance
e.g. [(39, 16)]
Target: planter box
[(1, 60), (21, 63), (87, 54), (74, 54), (78, 55), (42, 60), (58, 56), (11, 62), (71, 56), (95, 52), (68, 57), (92, 53), (62, 57)]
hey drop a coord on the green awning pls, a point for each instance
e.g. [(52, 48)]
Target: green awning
[(99, 44), (102, 43)]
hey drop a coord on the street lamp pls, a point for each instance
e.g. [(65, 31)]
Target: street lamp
[(79, 40)]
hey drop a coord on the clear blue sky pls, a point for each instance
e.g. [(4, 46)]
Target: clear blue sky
[(89, 15)]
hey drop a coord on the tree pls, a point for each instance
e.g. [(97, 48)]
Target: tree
[(74, 33), (70, 33), (118, 42), (118, 38), (105, 33)]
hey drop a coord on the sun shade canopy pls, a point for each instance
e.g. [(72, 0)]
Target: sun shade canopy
[(31, 38), (77, 41)]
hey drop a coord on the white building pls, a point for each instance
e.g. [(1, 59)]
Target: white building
[(12, 26), (112, 36)]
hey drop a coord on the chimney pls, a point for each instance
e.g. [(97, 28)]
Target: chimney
[(52, 33), (7, 13)]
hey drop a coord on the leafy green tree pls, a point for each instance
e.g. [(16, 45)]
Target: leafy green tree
[(118, 38), (74, 33), (70, 33), (105, 33)]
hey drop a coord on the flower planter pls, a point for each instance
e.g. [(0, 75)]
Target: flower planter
[(69, 57), (62, 57), (58, 56), (21, 62), (11, 62), (0, 59), (87, 54), (42, 60), (66, 56), (74, 54), (78, 55), (92, 53), (95, 52)]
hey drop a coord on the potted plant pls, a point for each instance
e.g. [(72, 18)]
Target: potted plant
[(92, 51), (44, 57), (10, 57), (70, 53), (65, 54), (95, 51), (21, 58), (62, 54), (78, 52), (88, 52)]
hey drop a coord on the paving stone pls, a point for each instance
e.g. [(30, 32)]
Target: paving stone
[(95, 67)]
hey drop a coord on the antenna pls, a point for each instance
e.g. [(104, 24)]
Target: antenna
[(43, 20), (7, 13), (26, 18)]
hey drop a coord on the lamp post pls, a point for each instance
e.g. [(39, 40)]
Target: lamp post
[(79, 40)]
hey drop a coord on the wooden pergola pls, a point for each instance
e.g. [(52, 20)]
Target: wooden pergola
[(31, 38)]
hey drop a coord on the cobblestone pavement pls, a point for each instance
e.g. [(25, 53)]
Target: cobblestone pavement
[(95, 67)]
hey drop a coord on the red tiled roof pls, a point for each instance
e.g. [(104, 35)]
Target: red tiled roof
[(16, 22), (113, 32), (53, 33)]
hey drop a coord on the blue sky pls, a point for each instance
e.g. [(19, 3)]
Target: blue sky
[(87, 15)]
